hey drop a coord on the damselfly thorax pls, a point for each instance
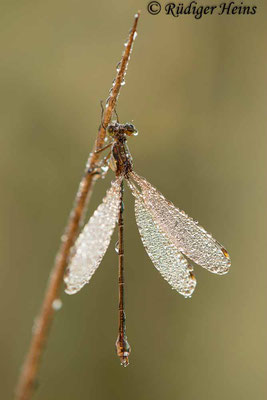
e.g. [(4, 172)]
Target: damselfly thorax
[(170, 237), (121, 160)]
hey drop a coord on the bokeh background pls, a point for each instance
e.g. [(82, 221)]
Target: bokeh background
[(196, 91)]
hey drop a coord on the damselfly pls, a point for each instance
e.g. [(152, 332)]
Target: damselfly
[(168, 234)]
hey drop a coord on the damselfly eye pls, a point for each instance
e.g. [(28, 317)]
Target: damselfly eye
[(130, 127), (130, 130)]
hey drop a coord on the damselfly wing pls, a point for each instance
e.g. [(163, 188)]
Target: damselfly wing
[(168, 234), (185, 233), (94, 240)]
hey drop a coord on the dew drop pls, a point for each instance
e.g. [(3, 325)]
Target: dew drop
[(118, 66), (57, 304), (64, 237), (117, 247), (107, 101), (35, 326), (104, 169)]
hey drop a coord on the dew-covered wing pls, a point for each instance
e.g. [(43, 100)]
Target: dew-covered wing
[(93, 240), (171, 264), (185, 233)]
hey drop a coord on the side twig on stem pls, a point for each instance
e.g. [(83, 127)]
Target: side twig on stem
[(43, 322)]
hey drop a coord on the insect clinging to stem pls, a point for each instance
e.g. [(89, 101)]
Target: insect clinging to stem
[(168, 234)]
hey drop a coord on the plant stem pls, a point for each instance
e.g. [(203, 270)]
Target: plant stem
[(44, 320)]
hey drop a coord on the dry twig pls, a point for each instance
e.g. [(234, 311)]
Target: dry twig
[(44, 320)]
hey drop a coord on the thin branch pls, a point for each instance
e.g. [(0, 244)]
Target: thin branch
[(43, 322)]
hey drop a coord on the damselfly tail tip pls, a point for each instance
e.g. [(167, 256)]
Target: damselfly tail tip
[(124, 361), (123, 350)]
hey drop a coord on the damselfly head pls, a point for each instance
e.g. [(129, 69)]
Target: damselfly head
[(114, 129)]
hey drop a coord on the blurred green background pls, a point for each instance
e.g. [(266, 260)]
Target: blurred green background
[(196, 91)]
